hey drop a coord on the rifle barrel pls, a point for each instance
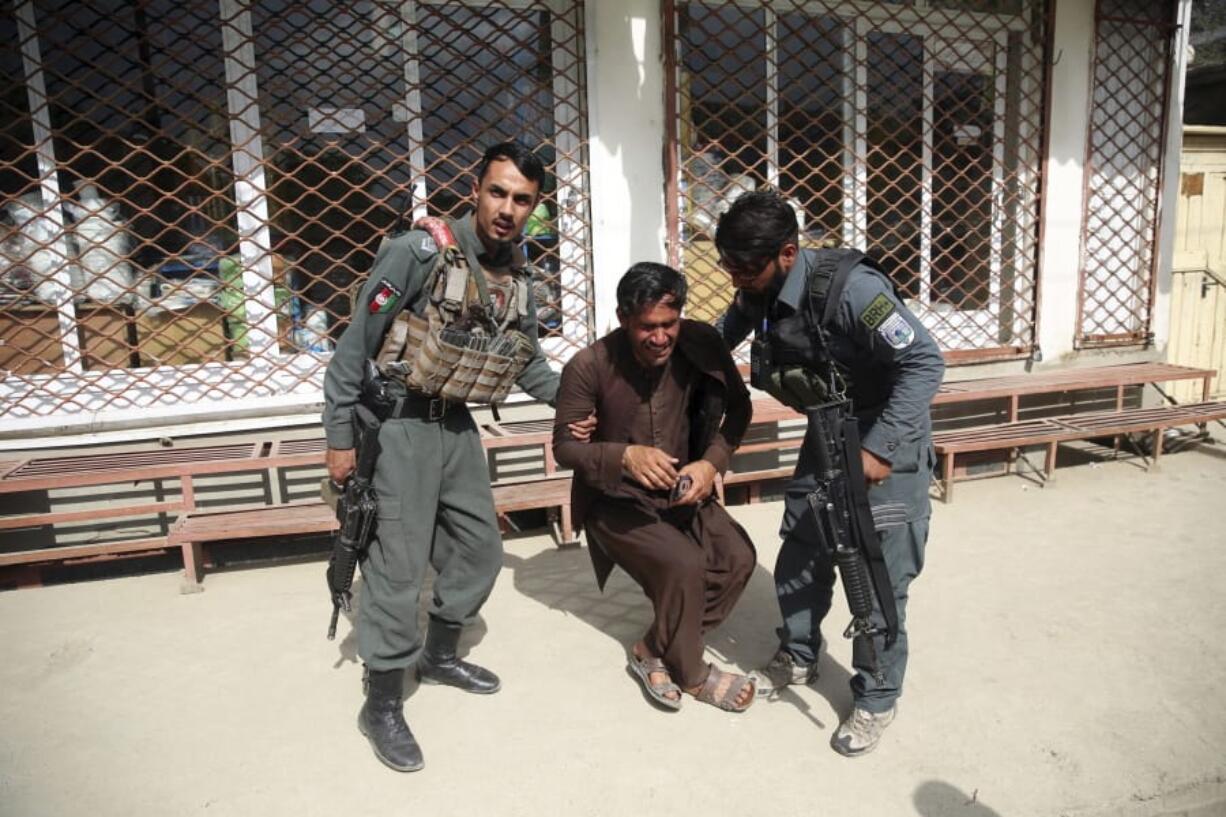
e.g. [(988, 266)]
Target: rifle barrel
[(336, 614)]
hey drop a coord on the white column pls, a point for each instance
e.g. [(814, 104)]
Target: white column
[(1170, 182), (1066, 155), (927, 174), (858, 115), (250, 188), (770, 48), (626, 117), (413, 113), (48, 184)]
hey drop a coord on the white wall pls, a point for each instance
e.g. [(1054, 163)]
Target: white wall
[(1170, 187), (626, 111), (1061, 249)]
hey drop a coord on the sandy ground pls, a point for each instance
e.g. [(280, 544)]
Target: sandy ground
[(1067, 660)]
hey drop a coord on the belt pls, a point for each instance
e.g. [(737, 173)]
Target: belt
[(421, 407)]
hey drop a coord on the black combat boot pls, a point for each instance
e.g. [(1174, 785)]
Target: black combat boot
[(382, 721), (438, 663)]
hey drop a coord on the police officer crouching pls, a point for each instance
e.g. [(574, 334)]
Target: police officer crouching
[(821, 317)]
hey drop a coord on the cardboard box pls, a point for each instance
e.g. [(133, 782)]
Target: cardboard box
[(30, 340), (107, 334), (177, 337)]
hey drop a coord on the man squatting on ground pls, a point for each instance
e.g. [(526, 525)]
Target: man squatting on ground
[(671, 408), (892, 369), (435, 503)]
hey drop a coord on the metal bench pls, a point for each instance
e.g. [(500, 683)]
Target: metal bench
[(1051, 431), (1003, 437), (179, 464), (186, 464), (192, 530), (1119, 377)]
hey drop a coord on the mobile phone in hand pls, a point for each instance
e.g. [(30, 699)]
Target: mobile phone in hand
[(683, 485)]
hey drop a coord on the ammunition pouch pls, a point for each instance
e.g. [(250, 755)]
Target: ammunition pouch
[(799, 388), (795, 385), (791, 360), (451, 348)]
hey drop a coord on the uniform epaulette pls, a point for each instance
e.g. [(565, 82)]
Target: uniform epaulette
[(422, 242)]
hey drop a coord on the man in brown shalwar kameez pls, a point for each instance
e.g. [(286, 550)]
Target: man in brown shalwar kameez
[(671, 408)]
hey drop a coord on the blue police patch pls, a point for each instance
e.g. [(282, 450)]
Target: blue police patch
[(897, 332)]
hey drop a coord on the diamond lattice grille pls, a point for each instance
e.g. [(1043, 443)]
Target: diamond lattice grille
[(1124, 170), (913, 133), (192, 191)]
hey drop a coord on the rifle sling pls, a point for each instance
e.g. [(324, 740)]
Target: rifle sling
[(483, 290)]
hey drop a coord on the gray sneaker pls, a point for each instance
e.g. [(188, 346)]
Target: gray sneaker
[(861, 732), (783, 670)]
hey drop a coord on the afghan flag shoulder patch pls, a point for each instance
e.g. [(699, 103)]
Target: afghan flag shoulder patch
[(385, 297)]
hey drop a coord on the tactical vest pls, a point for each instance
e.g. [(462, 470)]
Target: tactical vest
[(791, 359), (450, 343)]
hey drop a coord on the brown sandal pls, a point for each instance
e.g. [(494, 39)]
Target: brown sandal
[(642, 668), (723, 688)]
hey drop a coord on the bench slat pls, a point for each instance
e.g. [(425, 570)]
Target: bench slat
[(88, 476), (742, 477), (1053, 430), (1075, 426), (40, 519), (1062, 380), (315, 516), (249, 523), (68, 552)]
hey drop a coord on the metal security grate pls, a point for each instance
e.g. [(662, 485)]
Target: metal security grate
[(913, 132), (1131, 80), (192, 190)]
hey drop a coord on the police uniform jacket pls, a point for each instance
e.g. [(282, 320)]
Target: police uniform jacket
[(893, 365), (396, 279)]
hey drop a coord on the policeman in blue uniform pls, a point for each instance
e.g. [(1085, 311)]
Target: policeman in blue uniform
[(811, 310)]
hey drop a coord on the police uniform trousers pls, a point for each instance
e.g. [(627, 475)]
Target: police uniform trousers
[(805, 576), (436, 507), (693, 564)]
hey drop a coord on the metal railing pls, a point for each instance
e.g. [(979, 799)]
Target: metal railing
[(913, 133), (191, 191), (1131, 75)]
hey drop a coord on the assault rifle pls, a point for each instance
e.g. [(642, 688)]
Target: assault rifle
[(356, 508), (846, 531)]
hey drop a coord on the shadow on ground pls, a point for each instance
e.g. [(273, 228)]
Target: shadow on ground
[(563, 580), (936, 798), (347, 646)]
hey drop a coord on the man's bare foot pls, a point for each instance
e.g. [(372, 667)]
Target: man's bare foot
[(655, 678)]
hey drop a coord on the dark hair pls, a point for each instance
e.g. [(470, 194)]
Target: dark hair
[(755, 228), (526, 161), (647, 283)]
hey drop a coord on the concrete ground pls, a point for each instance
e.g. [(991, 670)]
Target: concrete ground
[(1067, 660)]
